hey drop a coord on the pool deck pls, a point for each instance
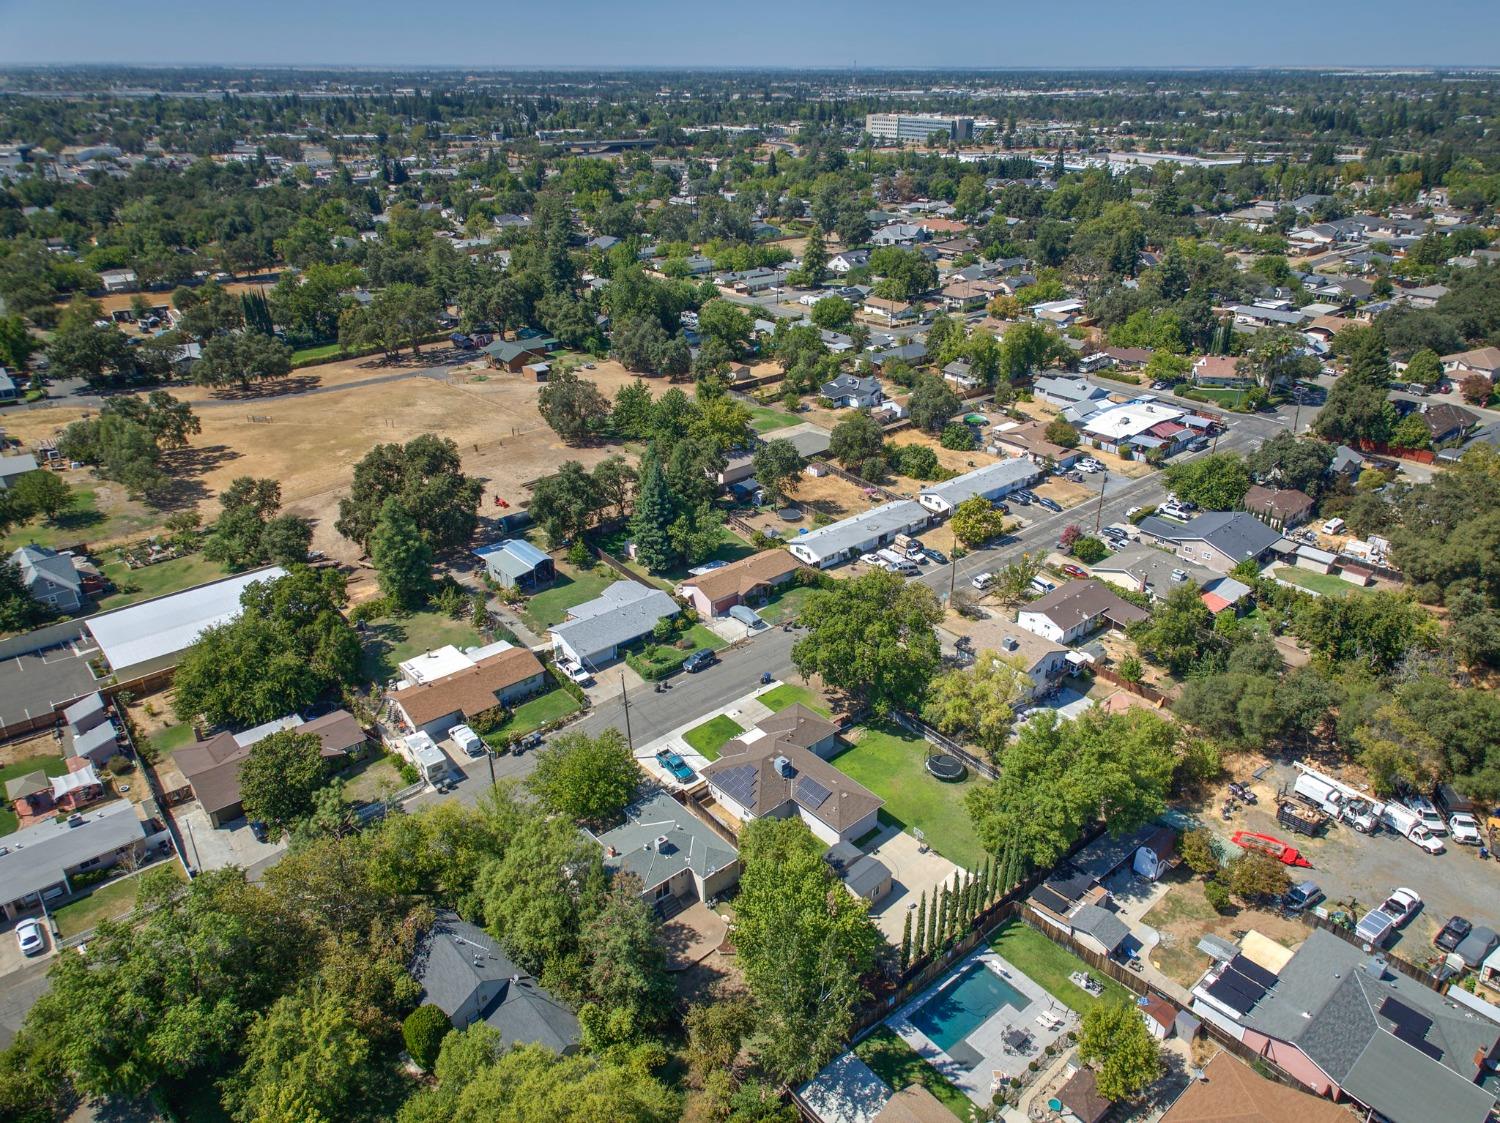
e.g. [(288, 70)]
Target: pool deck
[(992, 1060)]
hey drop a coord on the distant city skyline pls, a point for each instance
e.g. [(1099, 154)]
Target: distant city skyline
[(591, 34)]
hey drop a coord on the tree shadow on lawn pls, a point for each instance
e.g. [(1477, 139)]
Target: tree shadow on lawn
[(270, 388), (379, 642), (185, 466), (77, 519)]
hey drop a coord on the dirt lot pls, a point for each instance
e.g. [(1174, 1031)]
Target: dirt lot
[(29, 748), (1184, 916), (114, 301), (1065, 493), (311, 442)]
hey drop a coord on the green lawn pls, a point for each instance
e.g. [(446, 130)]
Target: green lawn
[(764, 420), (786, 605), (374, 777), (702, 636), (781, 696), (898, 1064), (48, 763), (392, 640), (710, 737), (1223, 396), (573, 586), (731, 548), (1325, 584), (1049, 965), (172, 737), (317, 354), (81, 518), (110, 901), (157, 580), (889, 761), (534, 713)]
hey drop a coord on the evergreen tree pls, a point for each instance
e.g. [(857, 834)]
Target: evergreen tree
[(401, 556), (921, 949), (906, 941), (932, 924), (815, 259), (653, 518)]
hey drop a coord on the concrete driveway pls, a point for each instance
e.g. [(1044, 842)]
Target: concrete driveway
[(211, 848), (11, 958), (914, 871)]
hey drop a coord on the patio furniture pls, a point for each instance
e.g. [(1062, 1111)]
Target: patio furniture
[(1050, 1020), (1086, 982)]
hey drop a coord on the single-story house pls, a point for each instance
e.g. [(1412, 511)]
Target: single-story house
[(992, 481), (775, 771), (86, 713), (1099, 929), (1080, 1097), (1029, 438), (837, 542), (436, 706), (1282, 509), (849, 259), (515, 561), (466, 974), (1254, 315), (961, 375), (1218, 370), (853, 392), (1218, 540), (1063, 313), (1042, 661), (676, 855), (505, 355), (1076, 608), (1347, 462), (14, 467), (37, 861), (964, 296), (891, 311), (715, 592), (912, 1104), (97, 744), (119, 280), (50, 578), (1146, 569), (1446, 422), (596, 630), (1143, 425), (1063, 390), (1128, 358)]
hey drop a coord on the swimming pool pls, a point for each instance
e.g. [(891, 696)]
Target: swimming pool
[(949, 1017)]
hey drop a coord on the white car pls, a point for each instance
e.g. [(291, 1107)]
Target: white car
[(467, 740), (1133, 512), (983, 581), (870, 559), (29, 936), (1464, 829)]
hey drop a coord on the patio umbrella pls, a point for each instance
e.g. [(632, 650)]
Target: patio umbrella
[(1017, 1039)]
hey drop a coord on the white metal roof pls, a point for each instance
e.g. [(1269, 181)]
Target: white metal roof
[(164, 626)]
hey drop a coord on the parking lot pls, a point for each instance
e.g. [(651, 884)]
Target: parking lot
[(1348, 865)]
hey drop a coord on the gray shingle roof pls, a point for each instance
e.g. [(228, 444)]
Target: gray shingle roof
[(1235, 533), (1101, 924), (888, 518), (623, 612), (37, 856), (692, 844)]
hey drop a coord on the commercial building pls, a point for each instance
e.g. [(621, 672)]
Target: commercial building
[(913, 128)]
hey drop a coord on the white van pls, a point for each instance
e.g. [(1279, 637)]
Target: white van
[(467, 740), (1042, 585), (1333, 526)]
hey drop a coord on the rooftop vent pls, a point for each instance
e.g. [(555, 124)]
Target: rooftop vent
[(1375, 968), (784, 767), (1009, 643)]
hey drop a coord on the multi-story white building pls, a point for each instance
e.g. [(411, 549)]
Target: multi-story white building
[(911, 128)]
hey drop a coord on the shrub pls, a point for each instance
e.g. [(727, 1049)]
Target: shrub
[(1089, 550), (424, 1030), (580, 556), (487, 721), (408, 772), (1217, 895), (957, 436), (373, 609)]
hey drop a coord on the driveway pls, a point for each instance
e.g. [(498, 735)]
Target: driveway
[(11, 958), (211, 848), (18, 993), (914, 870)]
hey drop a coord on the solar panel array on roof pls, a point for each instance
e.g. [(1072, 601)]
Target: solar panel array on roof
[(1253, 971), (739, 783), (1241, 984), (811, 794), (1410, 1026), (1050, 899)]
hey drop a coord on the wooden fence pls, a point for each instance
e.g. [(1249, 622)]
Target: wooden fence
[(850, 477), (947, 744), (1150, 693)]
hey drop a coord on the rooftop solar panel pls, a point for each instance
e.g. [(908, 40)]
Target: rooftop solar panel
[(1253, 971), (1226, 990), (810, 793)]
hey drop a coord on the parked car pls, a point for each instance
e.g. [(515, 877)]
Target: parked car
[(1075, 571), (1003, 508), (1463, 828), (30, 938), (577, 672), (1161, 384), (1453, 933), (982, 581), (937, 556), (1304, 895), (699, 660), (674, 764), (1377, 925), (1020, 499), (869, 559), (1133, 512), (1050, 504), (1197, 444), (467, 740), (258, 829)]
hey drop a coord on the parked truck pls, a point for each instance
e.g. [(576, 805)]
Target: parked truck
[(1408, 824), (1337, 799)]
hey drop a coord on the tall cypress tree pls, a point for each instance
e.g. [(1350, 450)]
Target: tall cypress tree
[(932, 923), (653, 516), (906, 941), (921, 949), (945, 921)]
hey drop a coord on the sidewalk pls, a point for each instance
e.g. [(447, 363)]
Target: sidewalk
[(746, 711)]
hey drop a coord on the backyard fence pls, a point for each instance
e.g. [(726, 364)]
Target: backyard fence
[(947, 744), (850, 477), (621, 568), (1151, 694)]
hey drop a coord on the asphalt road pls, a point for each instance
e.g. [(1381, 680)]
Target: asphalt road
[(19, 991)]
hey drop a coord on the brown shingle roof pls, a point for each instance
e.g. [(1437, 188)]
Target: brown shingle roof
[(1080, 1095), (212, 767), (745, 575), (749, 768), (1283, 503), (799, 725), (913, 1104), (1234, 1093), (1071, 604), (469, 691), (338, 732)]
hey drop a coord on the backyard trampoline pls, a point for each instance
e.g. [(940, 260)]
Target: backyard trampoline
[(946, 767)]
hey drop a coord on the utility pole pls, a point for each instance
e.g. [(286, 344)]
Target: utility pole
[(1099, 510), (625, 702), (952, 578), (489, 755)]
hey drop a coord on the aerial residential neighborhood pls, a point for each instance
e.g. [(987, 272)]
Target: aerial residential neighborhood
[(622, 564)]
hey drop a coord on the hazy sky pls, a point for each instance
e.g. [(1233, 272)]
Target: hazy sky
[(827, 33)]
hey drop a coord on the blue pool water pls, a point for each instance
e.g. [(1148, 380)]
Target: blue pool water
[(949, 1017)]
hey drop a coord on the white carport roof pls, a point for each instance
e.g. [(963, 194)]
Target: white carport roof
[(152, 629)]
